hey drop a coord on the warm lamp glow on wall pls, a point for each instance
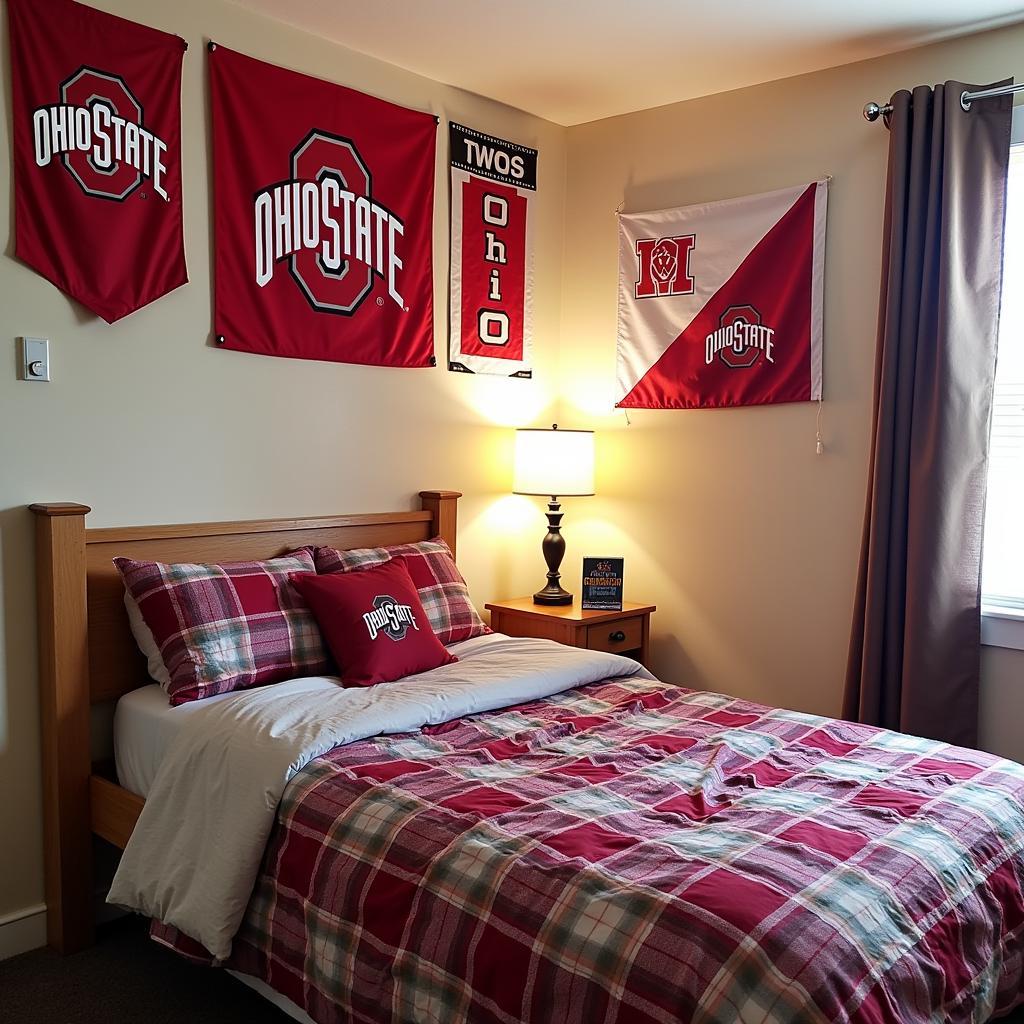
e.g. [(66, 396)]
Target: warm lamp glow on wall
[(556, 463)]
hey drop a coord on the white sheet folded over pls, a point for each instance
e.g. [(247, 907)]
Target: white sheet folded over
[(145, 725), (193, 858)]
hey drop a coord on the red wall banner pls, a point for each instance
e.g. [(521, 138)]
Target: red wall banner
[(491, 304), (323, 218), (97, 154)]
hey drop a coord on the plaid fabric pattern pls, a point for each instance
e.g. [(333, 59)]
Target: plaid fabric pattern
[(227, 627), (631, 852), (443, 591)]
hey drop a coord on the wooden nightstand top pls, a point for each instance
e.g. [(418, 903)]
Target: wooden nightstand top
[(572, 613)]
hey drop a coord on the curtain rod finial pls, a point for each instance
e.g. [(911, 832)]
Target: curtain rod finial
[(872, 111)]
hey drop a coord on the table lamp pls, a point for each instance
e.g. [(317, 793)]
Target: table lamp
[(554, 463)]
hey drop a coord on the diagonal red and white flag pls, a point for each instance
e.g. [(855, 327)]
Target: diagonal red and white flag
[(720, 304)]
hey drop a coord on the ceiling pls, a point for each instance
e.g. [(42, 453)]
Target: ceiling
[(572, 61)]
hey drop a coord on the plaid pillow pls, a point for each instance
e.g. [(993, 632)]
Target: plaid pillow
[(442, 589), (227, 627)]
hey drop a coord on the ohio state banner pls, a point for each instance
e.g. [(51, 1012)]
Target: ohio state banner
[(97, 154), (324, 202), (491, 302), (721, 304)]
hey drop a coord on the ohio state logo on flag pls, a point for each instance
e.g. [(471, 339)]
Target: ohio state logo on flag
[(491, 305), (97, 154), (721, 304), (324, 203)]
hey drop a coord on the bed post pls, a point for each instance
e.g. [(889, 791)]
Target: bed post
[(64, 703), (444, 507)]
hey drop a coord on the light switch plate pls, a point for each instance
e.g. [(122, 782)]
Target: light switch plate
[(34, 363)]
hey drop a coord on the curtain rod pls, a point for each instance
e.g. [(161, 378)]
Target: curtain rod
[(872, 111)]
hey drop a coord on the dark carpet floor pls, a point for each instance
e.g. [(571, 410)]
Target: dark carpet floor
[(127, 979)]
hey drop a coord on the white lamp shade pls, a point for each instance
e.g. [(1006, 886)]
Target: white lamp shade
[(554, 462)]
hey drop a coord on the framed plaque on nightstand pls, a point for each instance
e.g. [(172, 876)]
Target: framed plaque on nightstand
[(602, 584)]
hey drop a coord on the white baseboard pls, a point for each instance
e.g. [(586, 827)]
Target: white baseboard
[(23, 930)]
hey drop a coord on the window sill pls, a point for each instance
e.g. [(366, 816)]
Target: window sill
[(1002, 627)]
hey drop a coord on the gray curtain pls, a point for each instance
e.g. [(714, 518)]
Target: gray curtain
[(915, 646)]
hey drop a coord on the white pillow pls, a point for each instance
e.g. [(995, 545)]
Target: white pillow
[(147, 644)]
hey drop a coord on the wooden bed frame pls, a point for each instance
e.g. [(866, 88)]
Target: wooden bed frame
[(87, 656)]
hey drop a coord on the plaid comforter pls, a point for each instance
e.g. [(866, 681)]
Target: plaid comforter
[(632, 852)]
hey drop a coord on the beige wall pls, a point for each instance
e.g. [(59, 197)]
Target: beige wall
[(1001, 716), (746, 540), (147, 423), (728, 521)]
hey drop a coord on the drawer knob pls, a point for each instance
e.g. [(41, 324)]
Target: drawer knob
[(617, 637)]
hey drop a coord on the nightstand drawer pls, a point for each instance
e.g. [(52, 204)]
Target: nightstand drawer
[(621, 635), (618, 632)]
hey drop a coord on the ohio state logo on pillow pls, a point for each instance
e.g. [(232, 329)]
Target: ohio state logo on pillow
[(389, 618), (371, 620)]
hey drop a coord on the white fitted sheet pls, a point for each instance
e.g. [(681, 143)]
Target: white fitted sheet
[(283, 1003), (144, 725)]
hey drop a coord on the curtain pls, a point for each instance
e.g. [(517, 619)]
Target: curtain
[(915, 652)]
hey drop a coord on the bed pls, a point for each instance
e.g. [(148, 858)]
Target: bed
[(581, 842)]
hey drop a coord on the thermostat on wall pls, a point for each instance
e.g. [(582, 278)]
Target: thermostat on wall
[(34, 361)]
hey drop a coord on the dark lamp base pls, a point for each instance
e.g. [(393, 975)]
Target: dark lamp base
[(553, 548)]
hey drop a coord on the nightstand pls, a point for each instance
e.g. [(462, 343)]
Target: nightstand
[(626, 632)]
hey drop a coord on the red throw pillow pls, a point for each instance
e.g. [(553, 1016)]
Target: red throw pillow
[(441, 587), (374, 623)]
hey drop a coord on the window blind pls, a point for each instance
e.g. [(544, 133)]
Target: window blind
[(1003, 564)]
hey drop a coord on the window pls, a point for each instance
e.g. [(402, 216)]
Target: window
[(1003, 562)]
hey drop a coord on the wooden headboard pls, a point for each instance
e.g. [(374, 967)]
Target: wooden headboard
[(87, 656)]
